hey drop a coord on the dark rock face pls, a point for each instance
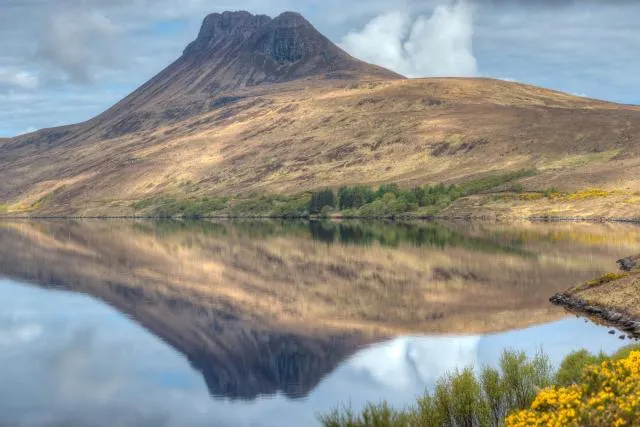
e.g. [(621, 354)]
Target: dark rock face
[(629, 263), (287, 38), (219, 27), (240, 49)]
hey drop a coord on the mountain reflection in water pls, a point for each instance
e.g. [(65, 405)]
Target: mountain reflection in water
[(328, 312)]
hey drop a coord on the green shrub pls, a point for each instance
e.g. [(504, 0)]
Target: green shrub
[(292, 207), (494, 392), (572, 367), (327, 211), (381, 415), (522, 378), (460, 399), (387, 200), (516, 188), (493, 181), (551, 192)]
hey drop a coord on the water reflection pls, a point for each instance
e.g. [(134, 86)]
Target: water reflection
[(307, 314), (66, 359)]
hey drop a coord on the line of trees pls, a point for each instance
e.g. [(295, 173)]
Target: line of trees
[(387, 198)]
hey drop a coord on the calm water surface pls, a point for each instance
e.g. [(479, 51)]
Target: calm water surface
[(267, 324)]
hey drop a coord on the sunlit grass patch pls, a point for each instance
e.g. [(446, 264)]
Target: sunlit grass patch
[(602, 280), (580, 160)]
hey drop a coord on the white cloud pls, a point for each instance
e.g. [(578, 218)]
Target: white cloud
[(77, 41), (18, 78), (439, 45)]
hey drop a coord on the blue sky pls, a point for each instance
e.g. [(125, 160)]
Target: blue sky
[(64, 61)]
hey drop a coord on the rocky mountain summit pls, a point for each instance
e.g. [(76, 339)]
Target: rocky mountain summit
[(240, 49)]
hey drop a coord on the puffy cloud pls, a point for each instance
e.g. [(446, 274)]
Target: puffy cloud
[(439, 45), (18, 78), (76, 42)]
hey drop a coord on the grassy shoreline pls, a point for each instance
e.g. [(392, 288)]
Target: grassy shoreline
[(335, 217), (502, 196), (612, 298)]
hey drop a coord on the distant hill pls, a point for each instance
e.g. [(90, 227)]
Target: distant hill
[(259, 105)]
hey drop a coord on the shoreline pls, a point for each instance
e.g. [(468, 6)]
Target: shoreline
[(624, 322), (550, 219)]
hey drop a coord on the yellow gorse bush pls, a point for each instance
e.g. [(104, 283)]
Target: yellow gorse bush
[(608, 395)]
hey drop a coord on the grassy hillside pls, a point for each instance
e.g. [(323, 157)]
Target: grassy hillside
[(306, 135)]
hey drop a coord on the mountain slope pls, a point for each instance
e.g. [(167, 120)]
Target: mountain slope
[(249, 108), (234, 51)]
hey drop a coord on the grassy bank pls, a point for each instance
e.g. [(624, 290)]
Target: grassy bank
[(359, 201), (521, 392), (613, 292)]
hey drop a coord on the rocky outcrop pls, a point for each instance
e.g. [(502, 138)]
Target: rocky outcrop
[(218, 28), (621, 321), (239, 49), (628, 263)]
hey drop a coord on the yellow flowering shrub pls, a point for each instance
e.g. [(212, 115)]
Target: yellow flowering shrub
[(608, 395), (590, 193)]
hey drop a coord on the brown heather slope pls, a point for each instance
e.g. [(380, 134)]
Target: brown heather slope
[(284, 118)]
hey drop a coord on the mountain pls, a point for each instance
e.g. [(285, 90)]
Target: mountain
[(257, 105), (235, 51)]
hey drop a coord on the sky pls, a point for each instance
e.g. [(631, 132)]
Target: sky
[(64, 61)]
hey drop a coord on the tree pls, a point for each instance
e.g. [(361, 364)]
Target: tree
[(321, 199)]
